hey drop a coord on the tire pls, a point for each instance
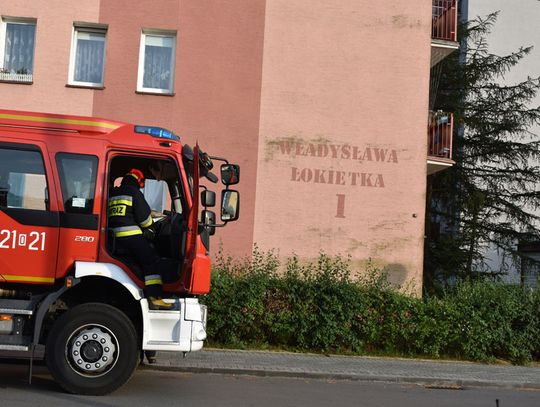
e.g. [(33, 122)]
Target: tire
[(92, 349)]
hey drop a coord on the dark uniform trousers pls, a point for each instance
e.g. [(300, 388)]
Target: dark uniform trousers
[(146, 257), (128, 215)]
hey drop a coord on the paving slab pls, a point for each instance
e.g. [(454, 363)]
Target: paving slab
[(426, 372)]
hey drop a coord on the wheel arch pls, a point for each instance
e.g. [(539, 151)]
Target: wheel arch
[(94, 282), (110, 271)]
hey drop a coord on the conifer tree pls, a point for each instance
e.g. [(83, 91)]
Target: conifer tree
[(491, 196)]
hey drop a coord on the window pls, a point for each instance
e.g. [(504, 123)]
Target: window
[(156, 62), (78, 181), (17, 39), (87, 61), (157, 195), (22, 180), (163, 188)]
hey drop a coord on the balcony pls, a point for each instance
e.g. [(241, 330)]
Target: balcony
[(443, 29), (6, 76), (440, 129)]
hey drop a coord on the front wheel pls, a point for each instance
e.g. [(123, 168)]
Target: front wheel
[(92, 349)]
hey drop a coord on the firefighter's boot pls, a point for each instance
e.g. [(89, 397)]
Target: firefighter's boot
[(157, 303), (151, 356)]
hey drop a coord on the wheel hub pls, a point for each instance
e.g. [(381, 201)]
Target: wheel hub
[(92, 350)]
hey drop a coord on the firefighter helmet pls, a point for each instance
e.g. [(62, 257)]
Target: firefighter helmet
[(138, 175)]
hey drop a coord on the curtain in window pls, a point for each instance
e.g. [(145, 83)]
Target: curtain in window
[(16, 190), (89, 58), (157, 62), (155, 194), (19, 56)]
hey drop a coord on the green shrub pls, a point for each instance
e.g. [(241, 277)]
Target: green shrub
[(318, 307)]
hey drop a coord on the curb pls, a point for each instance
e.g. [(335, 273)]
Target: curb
[(428, 382)]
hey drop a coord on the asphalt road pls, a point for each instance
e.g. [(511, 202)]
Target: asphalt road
[(161, 389)]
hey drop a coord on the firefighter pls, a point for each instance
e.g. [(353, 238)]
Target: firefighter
[(156, 169), (131, 222)]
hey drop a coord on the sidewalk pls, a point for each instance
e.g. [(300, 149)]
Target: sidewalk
[(429, 373)]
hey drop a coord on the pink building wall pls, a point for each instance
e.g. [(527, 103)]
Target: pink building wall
[(306, 96), (217, 84), (54, 28), (346, 81)]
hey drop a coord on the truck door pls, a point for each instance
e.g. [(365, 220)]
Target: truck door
[(28, 216), (78, 222), (196, 263)]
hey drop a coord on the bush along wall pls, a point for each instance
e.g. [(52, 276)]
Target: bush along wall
[(318, 307)]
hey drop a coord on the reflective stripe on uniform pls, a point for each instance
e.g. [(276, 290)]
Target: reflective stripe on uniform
[(121, 200), (153, 279), (147, 222), (124, 231)]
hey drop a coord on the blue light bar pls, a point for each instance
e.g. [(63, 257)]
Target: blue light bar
[(156, 132)]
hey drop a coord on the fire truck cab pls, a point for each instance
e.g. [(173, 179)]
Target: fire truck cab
[(64, 285)]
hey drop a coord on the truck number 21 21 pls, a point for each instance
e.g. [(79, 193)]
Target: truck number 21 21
[(11, 239)]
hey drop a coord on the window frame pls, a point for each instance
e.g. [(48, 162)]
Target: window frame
[(91, 28), (31, 148), (62, 178), (178, 202), (8, 76), (142, 49)]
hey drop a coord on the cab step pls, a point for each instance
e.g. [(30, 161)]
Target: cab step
[(21, 348), (16, 307), (15, 314)]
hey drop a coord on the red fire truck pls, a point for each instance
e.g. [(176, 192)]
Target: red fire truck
[(64, 287)]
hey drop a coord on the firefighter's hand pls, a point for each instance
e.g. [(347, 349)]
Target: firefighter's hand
[(149, 233)]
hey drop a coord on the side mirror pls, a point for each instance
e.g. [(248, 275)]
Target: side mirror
[(230, 205), (209, 221), (187, 152), (230, 174), (208, 198)]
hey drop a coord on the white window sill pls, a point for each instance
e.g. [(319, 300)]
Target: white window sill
[(85, 86), (155, 92)]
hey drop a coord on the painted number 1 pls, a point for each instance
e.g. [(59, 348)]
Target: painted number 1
[(340, 206)]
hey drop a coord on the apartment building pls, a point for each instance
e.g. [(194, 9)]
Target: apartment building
[(324, 104), (516, 27)]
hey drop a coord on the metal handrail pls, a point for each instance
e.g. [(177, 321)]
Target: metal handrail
[(440, 129), (444, 20)]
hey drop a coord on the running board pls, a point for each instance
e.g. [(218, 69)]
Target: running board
[(20, 348), (16, 307), (15, 311)]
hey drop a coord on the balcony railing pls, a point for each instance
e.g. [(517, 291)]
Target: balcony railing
[(440, 128), (444, 20), (16, 77)]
